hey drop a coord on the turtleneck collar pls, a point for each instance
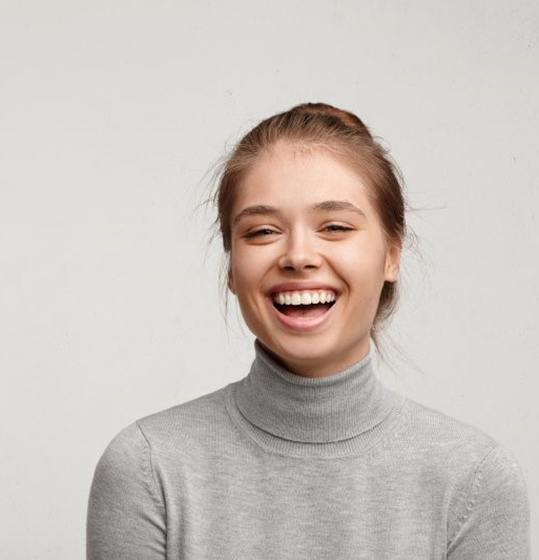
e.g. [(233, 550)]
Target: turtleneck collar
[(344, 410)]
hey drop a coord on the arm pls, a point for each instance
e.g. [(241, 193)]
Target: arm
[(494, 522), (126, 514)]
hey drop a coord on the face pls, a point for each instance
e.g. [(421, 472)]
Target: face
[(340, 248)]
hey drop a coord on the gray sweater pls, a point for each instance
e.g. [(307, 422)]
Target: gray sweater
[(279, 466)]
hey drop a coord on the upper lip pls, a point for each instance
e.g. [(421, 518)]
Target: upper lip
[(298, 286)]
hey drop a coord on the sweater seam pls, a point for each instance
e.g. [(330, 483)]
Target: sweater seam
[(150, 473), (473, 493)]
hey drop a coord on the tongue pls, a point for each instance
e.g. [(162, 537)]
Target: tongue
[(308, 311)]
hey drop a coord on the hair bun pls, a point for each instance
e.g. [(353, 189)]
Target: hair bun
[(345, 117)]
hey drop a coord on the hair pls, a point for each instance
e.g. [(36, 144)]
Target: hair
[(321, 126)]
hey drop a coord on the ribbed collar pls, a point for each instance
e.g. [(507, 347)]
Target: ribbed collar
[(303, 410)]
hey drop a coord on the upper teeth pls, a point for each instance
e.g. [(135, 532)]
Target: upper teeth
[(304, 297)]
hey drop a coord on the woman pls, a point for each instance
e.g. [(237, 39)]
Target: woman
[(309, 455)]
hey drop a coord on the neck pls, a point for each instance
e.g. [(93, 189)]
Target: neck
[(319, 368), (329, 409)]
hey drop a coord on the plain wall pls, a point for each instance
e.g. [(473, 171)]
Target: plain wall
[(112, 115)]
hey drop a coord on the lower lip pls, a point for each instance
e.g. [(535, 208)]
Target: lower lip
[(299, 324)]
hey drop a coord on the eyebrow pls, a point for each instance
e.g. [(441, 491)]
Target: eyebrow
[(326, 205)]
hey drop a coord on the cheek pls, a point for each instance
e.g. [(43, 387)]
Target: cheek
[(248, 279), (249, 264), (363, 270)]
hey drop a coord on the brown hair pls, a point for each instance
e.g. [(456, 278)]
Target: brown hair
[(319, 125)]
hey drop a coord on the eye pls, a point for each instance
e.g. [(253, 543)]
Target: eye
[(264, 232), (337, 227), (258, 232)]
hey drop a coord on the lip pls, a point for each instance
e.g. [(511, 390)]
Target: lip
[(301, 324), (299, 286)]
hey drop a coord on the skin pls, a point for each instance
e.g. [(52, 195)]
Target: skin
[(296, 245)]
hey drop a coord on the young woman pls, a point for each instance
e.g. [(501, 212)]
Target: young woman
[(309, 455)]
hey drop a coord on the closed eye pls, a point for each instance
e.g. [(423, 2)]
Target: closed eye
[(258, 232), (338, 227)]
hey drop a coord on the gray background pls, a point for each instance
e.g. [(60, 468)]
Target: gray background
[(112, 116)]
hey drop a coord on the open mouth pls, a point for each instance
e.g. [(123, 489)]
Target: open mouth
[(309, 311)]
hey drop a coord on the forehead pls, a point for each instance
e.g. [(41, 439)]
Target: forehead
[(298, 176)]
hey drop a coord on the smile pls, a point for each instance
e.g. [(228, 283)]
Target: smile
[(302, 318)]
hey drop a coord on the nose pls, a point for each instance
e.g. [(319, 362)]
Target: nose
[(300, 252)]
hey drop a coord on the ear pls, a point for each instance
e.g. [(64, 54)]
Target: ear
[(393, 262)]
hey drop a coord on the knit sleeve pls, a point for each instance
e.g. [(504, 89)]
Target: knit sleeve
[(494, 521), (126, 514)]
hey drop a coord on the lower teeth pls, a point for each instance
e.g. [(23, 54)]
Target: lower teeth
[(309, 311)]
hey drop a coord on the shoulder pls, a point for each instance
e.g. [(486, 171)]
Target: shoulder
[(188, 421), (176, 429), (131, 454), (126, 498), (453, 453), (489, 513), (124, 473), (126, 453), (483, 483), (443, 435)]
